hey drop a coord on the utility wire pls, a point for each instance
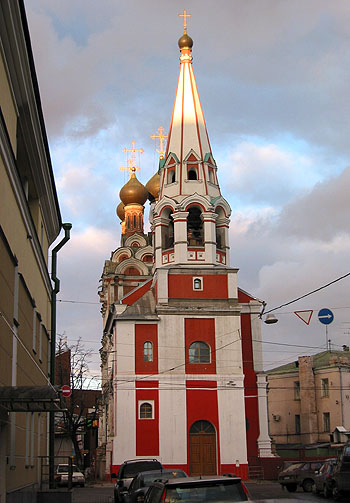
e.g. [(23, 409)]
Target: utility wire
[(307, 294)]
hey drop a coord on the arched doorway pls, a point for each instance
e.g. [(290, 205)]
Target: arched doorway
[(202, 449)]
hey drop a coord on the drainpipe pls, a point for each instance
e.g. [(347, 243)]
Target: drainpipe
[(66, 227), (341, 396)]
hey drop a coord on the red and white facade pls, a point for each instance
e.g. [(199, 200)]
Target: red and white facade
[(182, 356)]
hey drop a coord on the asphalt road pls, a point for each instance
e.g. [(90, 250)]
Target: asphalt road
[(258, 490)]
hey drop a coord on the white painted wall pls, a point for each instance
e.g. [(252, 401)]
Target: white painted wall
[(124, 445), (171, 344), (172, 421), (232, 423), (228, 359)]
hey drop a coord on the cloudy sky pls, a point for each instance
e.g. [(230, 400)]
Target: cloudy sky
[(274, 81)]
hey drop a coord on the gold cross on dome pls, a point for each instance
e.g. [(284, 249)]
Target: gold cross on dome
[(161, 137), (185, 15), (129, 168), (133, 150)]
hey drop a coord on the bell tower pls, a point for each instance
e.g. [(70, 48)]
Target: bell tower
[(191, 218)]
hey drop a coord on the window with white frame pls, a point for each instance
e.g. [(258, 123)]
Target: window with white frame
[(198, 283), (148, 351), (146, 409), (199, 352)]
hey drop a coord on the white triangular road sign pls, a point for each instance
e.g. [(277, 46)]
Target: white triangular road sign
[(305, 316)]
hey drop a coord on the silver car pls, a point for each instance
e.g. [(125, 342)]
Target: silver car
[(62, 472)]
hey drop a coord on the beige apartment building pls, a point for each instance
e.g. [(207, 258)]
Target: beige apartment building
[(29, 222), (309, 399)]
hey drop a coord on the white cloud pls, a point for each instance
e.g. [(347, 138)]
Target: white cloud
[(266, 174)]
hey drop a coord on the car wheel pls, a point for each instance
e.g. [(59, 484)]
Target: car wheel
[(291, 488), (315, 489), (307, 485), (327, 493), (336, 493)]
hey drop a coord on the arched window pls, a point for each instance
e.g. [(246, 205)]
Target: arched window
[(199, 352), (168, 231), (220, 229), (171, 175), (146, 411), (194, 227), (134, 221), (148, 351), (202, 427), (211, 175), (197, 284), (192, 174)]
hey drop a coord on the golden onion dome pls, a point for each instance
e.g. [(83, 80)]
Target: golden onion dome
[(153, 186), (121, 211), (133, 192), (185, 42)]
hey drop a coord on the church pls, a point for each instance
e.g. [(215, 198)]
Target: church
[(181, 354)]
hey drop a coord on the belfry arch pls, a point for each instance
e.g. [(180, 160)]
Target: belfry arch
[(167, 229), (195, 230)]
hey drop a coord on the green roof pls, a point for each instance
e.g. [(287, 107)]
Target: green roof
[(319, 360)]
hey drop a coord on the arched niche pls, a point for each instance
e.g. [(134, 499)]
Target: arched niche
[(195, 230), (220, 229), (167, 229)]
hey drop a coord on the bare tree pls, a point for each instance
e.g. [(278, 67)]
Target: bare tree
[(72, 369)]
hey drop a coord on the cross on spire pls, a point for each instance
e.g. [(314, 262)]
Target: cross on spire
[(129, 168), (131, 162), (161, 137), (185, 15)]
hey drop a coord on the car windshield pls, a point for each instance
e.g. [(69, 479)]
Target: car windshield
[(198, 493), (133, 469), (150, 477), (64, 468), (293, 467)]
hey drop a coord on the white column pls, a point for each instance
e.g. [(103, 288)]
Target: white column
[(158, 223), (162, 288), (180, 236), (209, 221), (264, 440)]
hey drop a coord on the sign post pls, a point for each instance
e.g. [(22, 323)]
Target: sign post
[(325, 316)]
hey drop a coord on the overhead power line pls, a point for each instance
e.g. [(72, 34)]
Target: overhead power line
[(307, 294)]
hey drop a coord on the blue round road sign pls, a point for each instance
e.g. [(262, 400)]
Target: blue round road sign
[(325, 316)]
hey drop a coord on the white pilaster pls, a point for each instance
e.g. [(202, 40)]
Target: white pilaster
[(209, 220), (180, 236), (158, 223), (162, 286), (264, 440)]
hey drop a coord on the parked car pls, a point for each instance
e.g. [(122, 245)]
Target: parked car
[(323, 478), (299, 475), (340, 479), (213, 489), (140, 484), (127, 471), (62, 475)]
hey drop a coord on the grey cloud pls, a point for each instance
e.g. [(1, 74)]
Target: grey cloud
[(263, 68), (321, 215)]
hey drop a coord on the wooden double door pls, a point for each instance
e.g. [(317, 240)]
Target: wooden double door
[(202, 449)]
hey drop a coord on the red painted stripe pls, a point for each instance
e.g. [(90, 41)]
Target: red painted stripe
[(147, 430), (146, 332), (137, 293)]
